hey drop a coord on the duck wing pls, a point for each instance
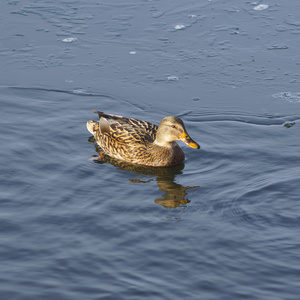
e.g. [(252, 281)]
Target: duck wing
[(126, 130)]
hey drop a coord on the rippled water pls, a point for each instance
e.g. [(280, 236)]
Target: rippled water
[(223, 225)]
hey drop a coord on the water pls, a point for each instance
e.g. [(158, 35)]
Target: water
[(223, 225)]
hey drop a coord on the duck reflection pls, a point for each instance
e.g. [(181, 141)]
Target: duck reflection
[(173, 194)]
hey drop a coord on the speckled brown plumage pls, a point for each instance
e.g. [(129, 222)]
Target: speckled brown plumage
[(140, 142)]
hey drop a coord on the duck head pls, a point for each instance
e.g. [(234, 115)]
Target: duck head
[(171, 129)]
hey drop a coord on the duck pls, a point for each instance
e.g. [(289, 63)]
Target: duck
[(140, 142)]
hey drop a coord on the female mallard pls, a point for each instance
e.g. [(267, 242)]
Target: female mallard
[(140, 142)]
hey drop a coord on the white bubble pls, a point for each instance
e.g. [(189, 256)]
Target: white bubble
[(179, 26), (173, 78), (69, 40), (261, 7), (132, 52)]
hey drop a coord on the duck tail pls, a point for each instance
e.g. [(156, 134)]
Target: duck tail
[(92, 126), (108, 116), (100, 113)]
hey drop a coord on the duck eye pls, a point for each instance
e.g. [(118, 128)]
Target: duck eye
[(173, 126)]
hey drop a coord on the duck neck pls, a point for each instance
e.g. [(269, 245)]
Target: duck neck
[(162, 142)]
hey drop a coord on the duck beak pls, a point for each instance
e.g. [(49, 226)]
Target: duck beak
[(187, 140)]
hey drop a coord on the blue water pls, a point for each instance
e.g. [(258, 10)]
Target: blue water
[(223, 225)]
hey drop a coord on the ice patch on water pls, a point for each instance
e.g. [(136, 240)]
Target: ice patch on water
[(288, 96), (278, 47), (69, 40), (173, 78), (81, 92), (179, 26), (261, 7)]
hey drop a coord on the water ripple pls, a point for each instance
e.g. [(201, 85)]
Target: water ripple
[(78, 91), (239, 116)]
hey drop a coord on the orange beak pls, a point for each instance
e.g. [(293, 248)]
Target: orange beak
[(187, 140)]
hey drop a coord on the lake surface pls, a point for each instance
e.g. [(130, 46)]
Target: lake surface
[(223, 225)]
